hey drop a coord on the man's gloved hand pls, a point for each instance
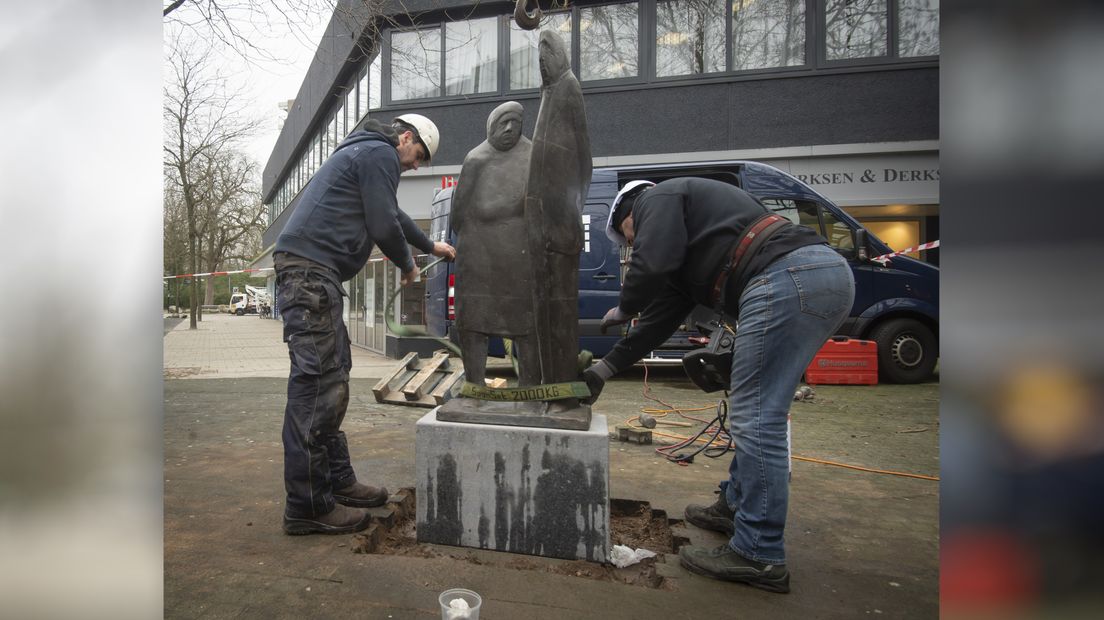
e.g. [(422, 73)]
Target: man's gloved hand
[(595, 378), (614, 316)]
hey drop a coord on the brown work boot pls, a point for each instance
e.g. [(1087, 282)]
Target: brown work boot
[(340, 520), (718, 517), (361, 495)]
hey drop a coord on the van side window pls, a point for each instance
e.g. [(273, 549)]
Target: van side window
[(800, 212), (838, 233), (804, 213)]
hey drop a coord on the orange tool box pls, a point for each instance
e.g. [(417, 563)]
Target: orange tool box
[(844, 361)]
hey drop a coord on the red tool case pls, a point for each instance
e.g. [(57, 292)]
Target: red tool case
[(843, 361)]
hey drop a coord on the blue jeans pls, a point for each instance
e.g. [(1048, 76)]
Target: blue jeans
[(786, 314)]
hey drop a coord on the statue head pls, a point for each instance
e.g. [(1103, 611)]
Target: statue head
[(554, 60), (504, 126)]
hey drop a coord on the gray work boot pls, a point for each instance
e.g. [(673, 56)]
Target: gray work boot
[(340, 520), (725, 564), (361, 495), (718, 517)]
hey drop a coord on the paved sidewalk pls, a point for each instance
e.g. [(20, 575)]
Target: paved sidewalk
[(228, 346)]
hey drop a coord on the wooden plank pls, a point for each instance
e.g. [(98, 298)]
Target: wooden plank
[(382, 388), (415, 389), (446, 388)]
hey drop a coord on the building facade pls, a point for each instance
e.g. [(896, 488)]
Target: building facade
[(843, 94)]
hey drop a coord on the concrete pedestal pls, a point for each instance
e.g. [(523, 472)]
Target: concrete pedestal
[(538, 491)]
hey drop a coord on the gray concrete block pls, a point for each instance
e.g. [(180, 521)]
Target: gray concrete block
[(531, 490)]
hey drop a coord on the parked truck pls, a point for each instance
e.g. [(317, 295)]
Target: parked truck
[(249, 301), (896, 304)]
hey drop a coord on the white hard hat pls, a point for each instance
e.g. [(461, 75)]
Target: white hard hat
[(427, 132), (630, 188)]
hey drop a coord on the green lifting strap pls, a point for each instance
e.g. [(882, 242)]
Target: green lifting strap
[(410, 330), (550, 391)]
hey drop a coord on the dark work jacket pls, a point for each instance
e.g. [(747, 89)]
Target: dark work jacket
[(684, 233), (349, 206)]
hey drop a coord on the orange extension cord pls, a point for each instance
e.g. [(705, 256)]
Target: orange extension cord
[(659, 414)]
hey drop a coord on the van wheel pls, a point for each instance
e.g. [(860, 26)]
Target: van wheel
[(907, 351), (240, 312)]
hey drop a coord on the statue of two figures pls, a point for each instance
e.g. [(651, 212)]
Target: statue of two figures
[(516, 212)]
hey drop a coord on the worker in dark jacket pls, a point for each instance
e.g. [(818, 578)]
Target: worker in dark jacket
[(349, 206), (699, 241)]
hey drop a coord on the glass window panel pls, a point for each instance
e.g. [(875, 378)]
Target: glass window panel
[(471, 56), (855, 28), (524, 57), (690, 37), (375, 98), (316, 154), (332, 135), (767, 33), (837, 233), (608, 41), (415, 64), (350, 110), (918, 28), (362, 94)]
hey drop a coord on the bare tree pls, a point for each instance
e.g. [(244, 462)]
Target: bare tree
[(203, 125), (232, 221), (240, 25)]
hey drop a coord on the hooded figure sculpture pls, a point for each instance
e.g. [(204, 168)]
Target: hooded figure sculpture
[(493, 271), (559, 177)]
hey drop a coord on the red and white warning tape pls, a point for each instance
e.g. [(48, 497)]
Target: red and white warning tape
[(226, 273), (216, 273), (884, 258)]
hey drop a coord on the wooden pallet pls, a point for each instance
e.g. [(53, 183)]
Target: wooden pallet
[(420, 383)]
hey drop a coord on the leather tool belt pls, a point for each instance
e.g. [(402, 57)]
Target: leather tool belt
[(754, 237)]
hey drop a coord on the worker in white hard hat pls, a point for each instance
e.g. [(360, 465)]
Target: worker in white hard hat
[(415, 130), (349, 207), (780, 291)]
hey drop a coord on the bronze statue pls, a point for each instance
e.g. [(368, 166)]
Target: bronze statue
[(537, 211), (559, 177), (493, 271)]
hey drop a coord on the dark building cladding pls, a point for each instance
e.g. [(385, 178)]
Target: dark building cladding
[(827, 119)]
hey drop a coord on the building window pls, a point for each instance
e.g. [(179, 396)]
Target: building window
[(690, 37), (315, 155), (335, 128), (375, 99), (362, 94), (608, 41), (855, 29), (350, 109), (524, 57), (767, 34), (917, 28), (471, 56), (416, 64)]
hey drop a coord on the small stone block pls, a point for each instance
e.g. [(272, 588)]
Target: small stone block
[(368, 540), (531, 490), (383, 515), (403, 502), (637, 435)]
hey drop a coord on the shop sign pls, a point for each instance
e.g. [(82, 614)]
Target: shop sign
[(871, 180)]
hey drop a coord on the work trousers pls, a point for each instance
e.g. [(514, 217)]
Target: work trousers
[(316, 455), (786, 314)]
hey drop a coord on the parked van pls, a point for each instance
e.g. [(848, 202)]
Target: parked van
[(896, 305)]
